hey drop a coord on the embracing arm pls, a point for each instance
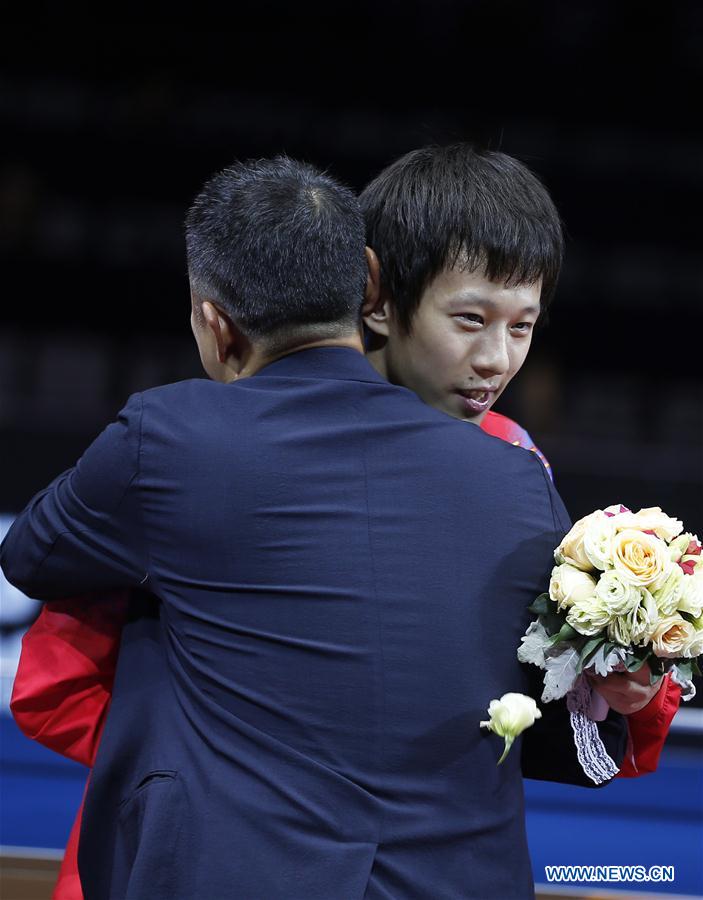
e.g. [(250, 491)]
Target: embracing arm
[(83, 532)]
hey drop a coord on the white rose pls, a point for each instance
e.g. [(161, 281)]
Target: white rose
[(510, 716), (637, 625), (588, 616), (668, 589), (640, 558), (571, 549), (694, 646), (568, 584), (691, 600), (671, 636), (650, 519), (619, 596), (598, 539)]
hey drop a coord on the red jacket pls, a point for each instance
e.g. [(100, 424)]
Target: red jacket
[(63, 686)]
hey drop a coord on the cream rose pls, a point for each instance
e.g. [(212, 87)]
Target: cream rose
[(510, 716), (588, 616), (637, 625), (691, 600), (571, 549), (640, 558), (671, 636), (650, 519), (668, 589), (569, 584), (618, 595), (598, 540), (694, 647)]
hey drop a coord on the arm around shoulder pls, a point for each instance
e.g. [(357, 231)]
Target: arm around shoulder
[(83, 532)]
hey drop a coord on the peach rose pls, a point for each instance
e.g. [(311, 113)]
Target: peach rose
[(640, 558), (672, 636)]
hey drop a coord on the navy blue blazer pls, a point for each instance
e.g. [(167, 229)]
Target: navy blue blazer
[(342, 575)]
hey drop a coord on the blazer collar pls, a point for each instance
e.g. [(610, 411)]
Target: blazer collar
[(340, 363)]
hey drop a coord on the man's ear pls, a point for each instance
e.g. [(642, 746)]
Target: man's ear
[(233, 347), (376, 307)]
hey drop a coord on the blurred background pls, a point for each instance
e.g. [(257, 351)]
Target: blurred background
[(109, 131)]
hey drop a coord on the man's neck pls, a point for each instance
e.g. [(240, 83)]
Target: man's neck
[(259, 359), (377, 358)]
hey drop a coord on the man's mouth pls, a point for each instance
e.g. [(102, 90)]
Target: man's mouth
[(479, 395), (477, 400)]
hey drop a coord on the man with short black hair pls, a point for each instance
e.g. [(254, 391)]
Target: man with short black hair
[(305, 725), (278, 247), (470, 247)]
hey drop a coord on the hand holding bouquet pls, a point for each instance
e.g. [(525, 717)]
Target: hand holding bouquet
[(627, 591)]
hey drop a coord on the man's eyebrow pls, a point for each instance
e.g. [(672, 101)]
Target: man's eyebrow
[(477, 299)]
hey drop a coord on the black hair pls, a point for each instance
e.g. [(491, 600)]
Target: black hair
[(279, 246), (439, 207)]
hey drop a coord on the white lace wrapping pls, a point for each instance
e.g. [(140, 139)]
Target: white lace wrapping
[(590, 750)]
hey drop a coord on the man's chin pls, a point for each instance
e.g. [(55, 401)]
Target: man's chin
[(457, 411)]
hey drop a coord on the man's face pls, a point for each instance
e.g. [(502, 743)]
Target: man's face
[(469, 338)]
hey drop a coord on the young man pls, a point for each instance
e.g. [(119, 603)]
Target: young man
[(470, 248)]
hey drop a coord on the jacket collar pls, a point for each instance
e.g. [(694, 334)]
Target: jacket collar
[(339, 363)]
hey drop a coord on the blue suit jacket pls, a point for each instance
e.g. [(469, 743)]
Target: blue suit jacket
[(342, 577)]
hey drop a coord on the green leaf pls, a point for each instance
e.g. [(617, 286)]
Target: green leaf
[(608, 646), (588, 650), (566, 633), (541, 605), (685, 668), (634, 663), (695, 668), (554, 620)]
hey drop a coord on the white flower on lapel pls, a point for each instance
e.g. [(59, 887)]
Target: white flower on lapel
[(510, 716)]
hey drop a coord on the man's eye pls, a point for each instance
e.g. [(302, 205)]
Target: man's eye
[(474, 318), (524, 327)]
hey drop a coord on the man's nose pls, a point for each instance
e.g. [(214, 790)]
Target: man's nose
[(491, 356)]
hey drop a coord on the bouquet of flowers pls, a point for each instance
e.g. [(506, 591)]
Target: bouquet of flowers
[(627, 590)]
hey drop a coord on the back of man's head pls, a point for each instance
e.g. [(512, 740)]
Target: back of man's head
[(438, 207), (279, 246)]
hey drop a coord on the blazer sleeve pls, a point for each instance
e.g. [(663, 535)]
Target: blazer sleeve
[(84, 531), (549, 751)]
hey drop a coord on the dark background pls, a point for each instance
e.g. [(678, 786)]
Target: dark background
[(110, 130)]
